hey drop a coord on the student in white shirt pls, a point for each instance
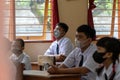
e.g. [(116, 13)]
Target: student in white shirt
[(17, 48), (108, 50), (84, 47), (62, 46)]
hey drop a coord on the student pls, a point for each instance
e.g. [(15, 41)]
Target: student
[(62, 46), (17, 48), (107, 53), (84, 49), (9, 70)]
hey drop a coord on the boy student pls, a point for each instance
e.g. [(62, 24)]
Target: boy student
[(84, 49), (62, 46), (17, 48)]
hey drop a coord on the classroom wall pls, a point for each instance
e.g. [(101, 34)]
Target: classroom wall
[(72, 12)]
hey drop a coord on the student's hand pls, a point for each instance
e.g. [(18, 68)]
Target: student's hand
[(60, 58), (52, 69)]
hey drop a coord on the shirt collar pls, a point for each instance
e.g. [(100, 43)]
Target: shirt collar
[(58, 42)]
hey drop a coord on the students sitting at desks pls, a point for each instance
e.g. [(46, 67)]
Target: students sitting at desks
[(84, 48), (17, 48), (107, 55), (62, 46)]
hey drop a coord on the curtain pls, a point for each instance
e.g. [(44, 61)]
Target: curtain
[(90, 17), (55, 14), (113, 18), (11, 32)]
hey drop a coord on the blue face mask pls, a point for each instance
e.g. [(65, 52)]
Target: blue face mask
[(56, 33), (98, 57)]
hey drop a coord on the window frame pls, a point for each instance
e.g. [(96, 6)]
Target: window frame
[(12, 24), (113, 16)]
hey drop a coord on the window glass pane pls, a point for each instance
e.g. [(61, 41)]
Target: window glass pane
[(102, 16), (7, 18), (29, 15)]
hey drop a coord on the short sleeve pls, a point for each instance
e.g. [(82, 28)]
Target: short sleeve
[(70, 60), (26, 61), (91, 64), (66, 47), (50, 50)]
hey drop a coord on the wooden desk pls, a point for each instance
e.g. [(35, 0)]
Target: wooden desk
[(44, 75)]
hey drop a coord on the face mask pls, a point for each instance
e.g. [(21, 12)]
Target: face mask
[(16, 50), (77, 43), (80, 44), (98, 57), (56, 33)]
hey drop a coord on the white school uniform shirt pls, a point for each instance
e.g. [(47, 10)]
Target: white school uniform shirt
[(23, 58), (109, 71), (65, 47), (74, 59)]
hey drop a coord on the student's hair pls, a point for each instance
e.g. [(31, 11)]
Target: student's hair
[(21, 41), (87, 30), (111, 45), (63, 25)]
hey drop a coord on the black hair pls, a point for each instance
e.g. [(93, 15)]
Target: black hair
[(111, 45), (63, 25), (21, 41), (87, 30)]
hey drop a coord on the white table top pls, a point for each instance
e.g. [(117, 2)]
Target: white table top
[(45, 74)]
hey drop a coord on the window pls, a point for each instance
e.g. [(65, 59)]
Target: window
[(106, 17), (29, 20)]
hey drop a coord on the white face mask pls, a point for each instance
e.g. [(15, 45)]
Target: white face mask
[(77, 43), (56, 33), (80, 44), (16, 50)]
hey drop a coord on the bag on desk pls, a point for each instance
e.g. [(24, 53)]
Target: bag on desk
[(45, 61)]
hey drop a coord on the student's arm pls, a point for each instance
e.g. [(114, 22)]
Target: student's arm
[(60, 58), (80, 70), (69, 60), (66, 47), (19, 70), (62, 66), (26, 63)]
